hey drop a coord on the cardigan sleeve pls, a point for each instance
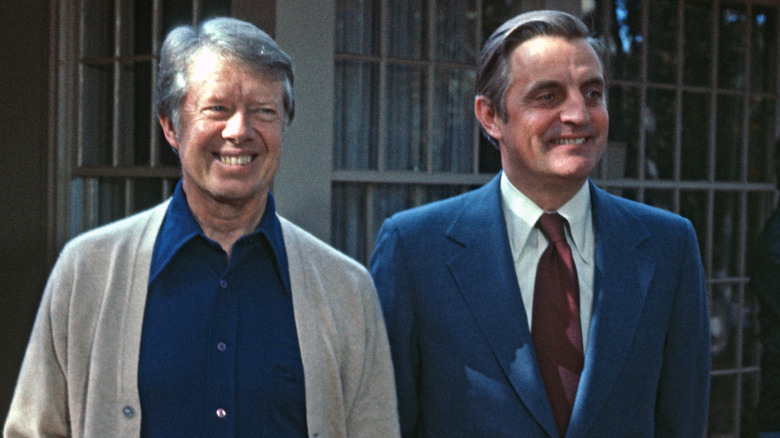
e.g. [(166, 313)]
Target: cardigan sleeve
[(374, 411)]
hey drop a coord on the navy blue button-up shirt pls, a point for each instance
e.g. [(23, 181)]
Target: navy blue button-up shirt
[(219, 348)]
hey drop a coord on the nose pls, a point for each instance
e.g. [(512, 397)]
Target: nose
[(237, 128), (575, 109)]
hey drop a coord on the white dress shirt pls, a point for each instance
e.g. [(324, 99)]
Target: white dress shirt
[(528, 243)]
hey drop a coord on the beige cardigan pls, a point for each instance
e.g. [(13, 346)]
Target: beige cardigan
[(79, 375)]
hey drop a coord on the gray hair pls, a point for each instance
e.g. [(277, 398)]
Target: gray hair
[(494, 68), (227, 37)]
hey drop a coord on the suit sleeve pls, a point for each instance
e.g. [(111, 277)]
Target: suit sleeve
[(683, 393), (396, 291), (39, 407)]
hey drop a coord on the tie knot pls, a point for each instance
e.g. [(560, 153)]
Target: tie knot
[(551, 225)]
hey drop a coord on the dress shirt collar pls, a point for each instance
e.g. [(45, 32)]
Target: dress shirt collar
[(576, 211), (180, 226)]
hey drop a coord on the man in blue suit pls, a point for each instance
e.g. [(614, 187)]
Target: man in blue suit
[(463, 287)]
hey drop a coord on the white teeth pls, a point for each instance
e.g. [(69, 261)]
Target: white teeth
[(235, 160), (569, 141)]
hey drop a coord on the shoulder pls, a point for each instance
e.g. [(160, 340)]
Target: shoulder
[(298, 240), (623, 210), (440, 214), (108, 237), (317, 265)]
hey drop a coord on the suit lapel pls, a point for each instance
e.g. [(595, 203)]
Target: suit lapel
[(621, 279), (485, 274)]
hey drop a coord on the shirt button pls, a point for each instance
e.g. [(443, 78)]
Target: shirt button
[(128, 411), (223, 284), (221, 346), (221, 413)]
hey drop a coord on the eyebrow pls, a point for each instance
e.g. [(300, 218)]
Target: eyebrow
[(543, 85), (596, 80)]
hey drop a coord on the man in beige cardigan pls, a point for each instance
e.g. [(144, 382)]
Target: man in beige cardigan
[(209, 315)]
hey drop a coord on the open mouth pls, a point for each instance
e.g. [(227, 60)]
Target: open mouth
[(572, 141), (234, 160)]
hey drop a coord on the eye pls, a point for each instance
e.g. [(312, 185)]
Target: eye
[(546, 97), (216, 110), (594, 95), (265, 113)]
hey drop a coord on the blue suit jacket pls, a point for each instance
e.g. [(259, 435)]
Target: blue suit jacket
[(464, 361)]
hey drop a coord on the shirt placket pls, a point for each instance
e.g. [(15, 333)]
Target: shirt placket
[(222, 359)]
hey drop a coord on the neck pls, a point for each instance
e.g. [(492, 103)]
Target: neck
[(226, 221), (549, 195)]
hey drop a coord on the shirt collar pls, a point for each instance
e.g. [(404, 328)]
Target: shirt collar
[(576, 211), (180, 226)]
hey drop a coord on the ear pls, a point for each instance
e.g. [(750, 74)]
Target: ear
[(491, 121), (169, 131)]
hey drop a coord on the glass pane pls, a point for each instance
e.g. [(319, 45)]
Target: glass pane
[(455, 30), (178, 12), (99, 24), (142, 121), (695, 136), (148, 192), (760, 207), (660, 198), (127, 113), (723, 394), (726, 239), (627, 39), (97, 104), (693, 206), (405, 111), (632, 194), (624, 126), (453, 124), (723, 326), (142, 25), (698, 43), (764, 50), (751, 352), (407, 29), (662, 49), (438, 192), (348, 224), (762, 136), (356, 117), (729, 139), (357, 26), (732, 46), (659, 126), (111, 200), (750, 391), (496, 12), (213, 8)]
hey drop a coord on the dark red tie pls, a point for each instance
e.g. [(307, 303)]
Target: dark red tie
[(556, 330)]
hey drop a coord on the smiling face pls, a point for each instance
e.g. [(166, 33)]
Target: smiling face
[(229, 136), (556, 116)]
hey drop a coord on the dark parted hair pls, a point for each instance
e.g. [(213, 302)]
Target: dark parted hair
[(494, 67), (230, 38)]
